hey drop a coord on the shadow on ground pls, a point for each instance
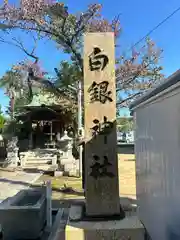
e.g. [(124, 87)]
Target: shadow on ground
[(4, 180), (64, 190), (38, 170), (126, 202), (125, 149)]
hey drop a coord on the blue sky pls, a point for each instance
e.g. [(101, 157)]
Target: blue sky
[(137, 18)]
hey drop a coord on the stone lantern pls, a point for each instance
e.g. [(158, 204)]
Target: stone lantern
[(66, 145), (66, 159), (12, 152)]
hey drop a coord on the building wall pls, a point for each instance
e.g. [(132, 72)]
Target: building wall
[(157, 148)]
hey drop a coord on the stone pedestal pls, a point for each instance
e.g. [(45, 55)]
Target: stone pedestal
[(23, 156), (130, 228)]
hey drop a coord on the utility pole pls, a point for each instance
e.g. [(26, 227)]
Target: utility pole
[(80, 124), (79, 92)]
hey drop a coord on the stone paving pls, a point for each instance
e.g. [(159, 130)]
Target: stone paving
[(12, 182)]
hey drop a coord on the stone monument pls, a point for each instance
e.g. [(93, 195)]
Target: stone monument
[(101, 171), (101, 216)]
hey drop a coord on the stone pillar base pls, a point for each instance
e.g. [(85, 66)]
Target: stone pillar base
[(129, 228), (13, 162)]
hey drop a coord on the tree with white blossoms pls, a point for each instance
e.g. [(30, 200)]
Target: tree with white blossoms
[(49, 19)]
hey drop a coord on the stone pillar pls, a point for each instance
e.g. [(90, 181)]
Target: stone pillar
[(103, 217), (101, 162)]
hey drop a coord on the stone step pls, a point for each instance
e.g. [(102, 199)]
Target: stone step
[(39, 167), (35, 154), (42, 152), (38, 161), (41, 155), (36, 166), (40, 158)]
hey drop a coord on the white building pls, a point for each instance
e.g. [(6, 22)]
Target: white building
[(157, 148)]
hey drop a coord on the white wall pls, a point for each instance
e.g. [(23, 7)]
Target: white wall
[(157, 138)]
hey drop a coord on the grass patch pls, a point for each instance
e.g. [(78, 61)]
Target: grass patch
[(75, 183), (127, 182), (73, 186)]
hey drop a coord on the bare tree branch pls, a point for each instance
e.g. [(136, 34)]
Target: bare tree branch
[(132, 96), (19, 44)]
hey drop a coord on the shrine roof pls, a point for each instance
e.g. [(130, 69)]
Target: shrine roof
[(47, 99), (46, 94)]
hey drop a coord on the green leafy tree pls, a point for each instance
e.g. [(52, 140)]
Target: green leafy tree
[(67, 75), (125, 124), (17, 92), (10, 79), (3, 120)]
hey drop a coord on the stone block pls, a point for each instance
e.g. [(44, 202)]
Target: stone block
[(13, 161), (129, 228), (64, 161), (73, 173), (54, 160), (23, 216), (22, 161), (11, 154), (69, 167), (58, 173)]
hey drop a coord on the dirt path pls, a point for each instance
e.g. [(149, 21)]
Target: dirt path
[(127, 178), (12, 182)]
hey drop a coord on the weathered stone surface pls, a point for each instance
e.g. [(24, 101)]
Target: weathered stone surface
[(54, 160), (65, 144), (73, 173), (22, 158), (14, 161), (67, 161), (58, 173), (23, 216), (130, 228), (69, 167), (76, 213), (101, 164), (12, 152)]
